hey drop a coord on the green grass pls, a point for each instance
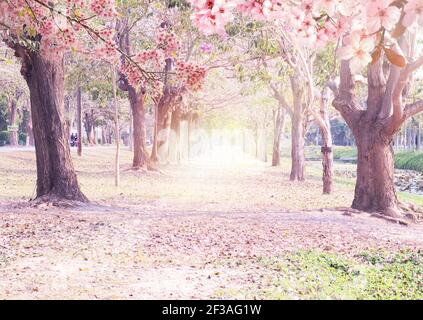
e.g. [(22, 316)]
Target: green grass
[(403, 160), (339, 152), (322, 275), (411, 198), (409, 161)]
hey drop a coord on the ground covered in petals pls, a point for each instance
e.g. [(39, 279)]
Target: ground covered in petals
[(204, 229)]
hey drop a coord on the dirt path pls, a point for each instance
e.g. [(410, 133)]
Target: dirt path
[(176, 247)]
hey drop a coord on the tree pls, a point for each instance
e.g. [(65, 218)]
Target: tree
[(136, 97), (40, 33), (375, 31)]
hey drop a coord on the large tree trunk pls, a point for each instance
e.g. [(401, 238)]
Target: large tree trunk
[(375, 189), (279, 125), (140, 160), (56, 178)]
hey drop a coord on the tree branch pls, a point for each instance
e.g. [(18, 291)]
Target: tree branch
[(281, 99), (413, 109), (398, 116), (344, 100)]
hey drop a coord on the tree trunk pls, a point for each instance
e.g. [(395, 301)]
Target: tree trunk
[(279, 125), (327, 161), (326, 137), (13, 109), (56, 178), (68, 122), (131, 129), (175, 136), (136, 100), (79, 119), (160, 151), (375, 190), (297, 147), (117, 128), (30, 134), (89, 126)]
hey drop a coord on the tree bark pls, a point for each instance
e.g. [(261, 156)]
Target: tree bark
[(56, 178), (68, 122), (327, 161), (117, 128), (30, 133), (297, 140), (13, 109), (89, 126), (278, 130), (136, 100), (131, 130), (175, 136), (79, 118), (327, 152), (160, 151), (297, 148), (375, 190)]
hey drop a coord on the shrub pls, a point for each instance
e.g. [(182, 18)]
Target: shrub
[(4, 137)]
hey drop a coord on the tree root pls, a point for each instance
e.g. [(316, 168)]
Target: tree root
[(53, 200), (404, 214), (391, 219)]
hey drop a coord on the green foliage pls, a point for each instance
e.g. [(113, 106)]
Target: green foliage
[(4, 136), (409, 161), (324, 65), (323, 275)]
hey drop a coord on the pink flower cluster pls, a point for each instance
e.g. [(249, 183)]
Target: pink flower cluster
[(211, 16), (316, 23), (261, 10), (154, 56), (166, 40), (107, 51), (103, 8), (191, 75), (188, 74), (58, 34)]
